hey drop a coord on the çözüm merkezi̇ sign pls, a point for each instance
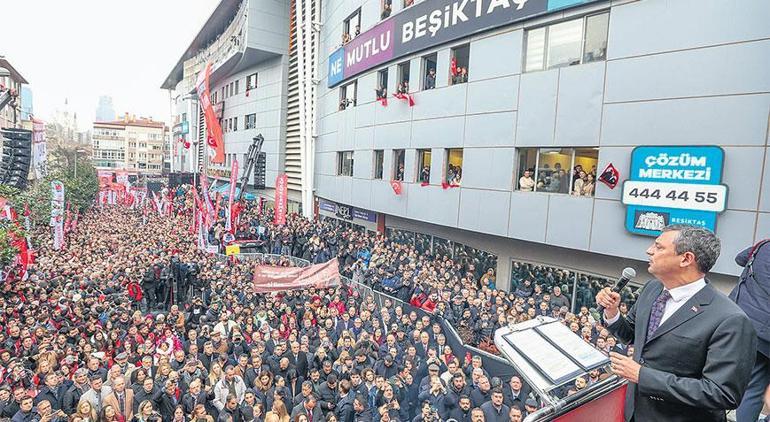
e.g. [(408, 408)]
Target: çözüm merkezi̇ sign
[(674, 185), (430, 23)]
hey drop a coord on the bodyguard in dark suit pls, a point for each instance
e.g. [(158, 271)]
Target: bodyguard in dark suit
[(694, 348), (752, 294)]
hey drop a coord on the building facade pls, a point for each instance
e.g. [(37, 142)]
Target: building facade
[(252, 46), (131, 144), (11, 115), (510, 97)]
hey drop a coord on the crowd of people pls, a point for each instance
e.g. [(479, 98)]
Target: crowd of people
[(557, 180), (79, 341)]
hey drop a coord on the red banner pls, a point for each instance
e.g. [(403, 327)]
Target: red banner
[(281, 188), (277, 279), (213, 130)]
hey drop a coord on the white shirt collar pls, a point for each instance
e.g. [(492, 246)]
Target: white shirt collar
[(683, 293)]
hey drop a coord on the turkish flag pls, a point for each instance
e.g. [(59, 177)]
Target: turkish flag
[(384, 101), (453, 66), (610, 176), (396, 185)]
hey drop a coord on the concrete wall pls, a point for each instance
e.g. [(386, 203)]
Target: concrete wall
[(689, 72), (268, 102)]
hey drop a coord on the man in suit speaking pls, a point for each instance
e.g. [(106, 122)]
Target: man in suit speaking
[(694, 348)]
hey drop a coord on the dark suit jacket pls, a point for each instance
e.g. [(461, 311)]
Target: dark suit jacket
[(300, 363), (695, 365), (299, 409)]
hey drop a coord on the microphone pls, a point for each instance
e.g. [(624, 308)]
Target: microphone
[(625, 277)]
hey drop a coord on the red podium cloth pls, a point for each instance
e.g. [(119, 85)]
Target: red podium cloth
[(608, 408)]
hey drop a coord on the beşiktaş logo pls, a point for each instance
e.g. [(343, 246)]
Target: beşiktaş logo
[(651, 220), (344, 212)]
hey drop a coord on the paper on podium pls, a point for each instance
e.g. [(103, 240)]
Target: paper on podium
[(547, 353)]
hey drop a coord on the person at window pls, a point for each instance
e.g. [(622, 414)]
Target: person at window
[(403, 87), (526, 182), (588, 186), (430, 79), (463, 75), (358, 31), (345, 38), (563, 181), (425, 174), (552, 183), (408, 3), (381, 92), (386, 10), (400, 172), (580, 181), (576, 173)]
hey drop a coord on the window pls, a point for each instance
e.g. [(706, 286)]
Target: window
[(382, 84), (351, 26), (558, 170), (235, 124), (345, 163), (423, 168), (223, 93), (458, 64), (251, 82), (595, 40), (379, 158), (184, 115), (454, 166), (429, 71), (569, 43), (402, 76), (348, 95), (399, 156), (387, 8), (236, 87), (251, 121)]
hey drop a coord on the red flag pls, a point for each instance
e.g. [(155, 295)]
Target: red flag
[(453, 66), (247, 92), (406, 97), (384, 101), (610, 176), (444, 185), (396, 185), (423, 184)]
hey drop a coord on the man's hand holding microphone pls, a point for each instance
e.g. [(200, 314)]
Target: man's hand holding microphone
[(608, 300)]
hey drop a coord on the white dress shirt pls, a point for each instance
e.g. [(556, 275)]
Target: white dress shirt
[(679, 296)]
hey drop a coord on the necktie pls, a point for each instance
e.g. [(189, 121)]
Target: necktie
[(656, 314), (122, 404)]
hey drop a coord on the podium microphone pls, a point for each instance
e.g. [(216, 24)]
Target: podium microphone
[(625, 277)]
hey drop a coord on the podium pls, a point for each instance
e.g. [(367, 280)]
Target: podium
[(548, 357)]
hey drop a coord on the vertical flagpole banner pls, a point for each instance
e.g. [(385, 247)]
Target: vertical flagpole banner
[(39, 151), (281, 192), (233, 182), (57, 213), (214, 137)]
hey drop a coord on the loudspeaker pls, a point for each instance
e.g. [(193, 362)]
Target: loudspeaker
[(16, 157)]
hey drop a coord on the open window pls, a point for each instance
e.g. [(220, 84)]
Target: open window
[(399, 157), (568, 43), (402, 74), (345, 163), (351, 26), (429, 71), (379, 159), (348, 95), (423, 166), (458, 64), (251, 82), (454, 166), (382, 84), (558, 170)]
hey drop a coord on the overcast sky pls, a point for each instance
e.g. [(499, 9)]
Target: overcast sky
[(82, 49)]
